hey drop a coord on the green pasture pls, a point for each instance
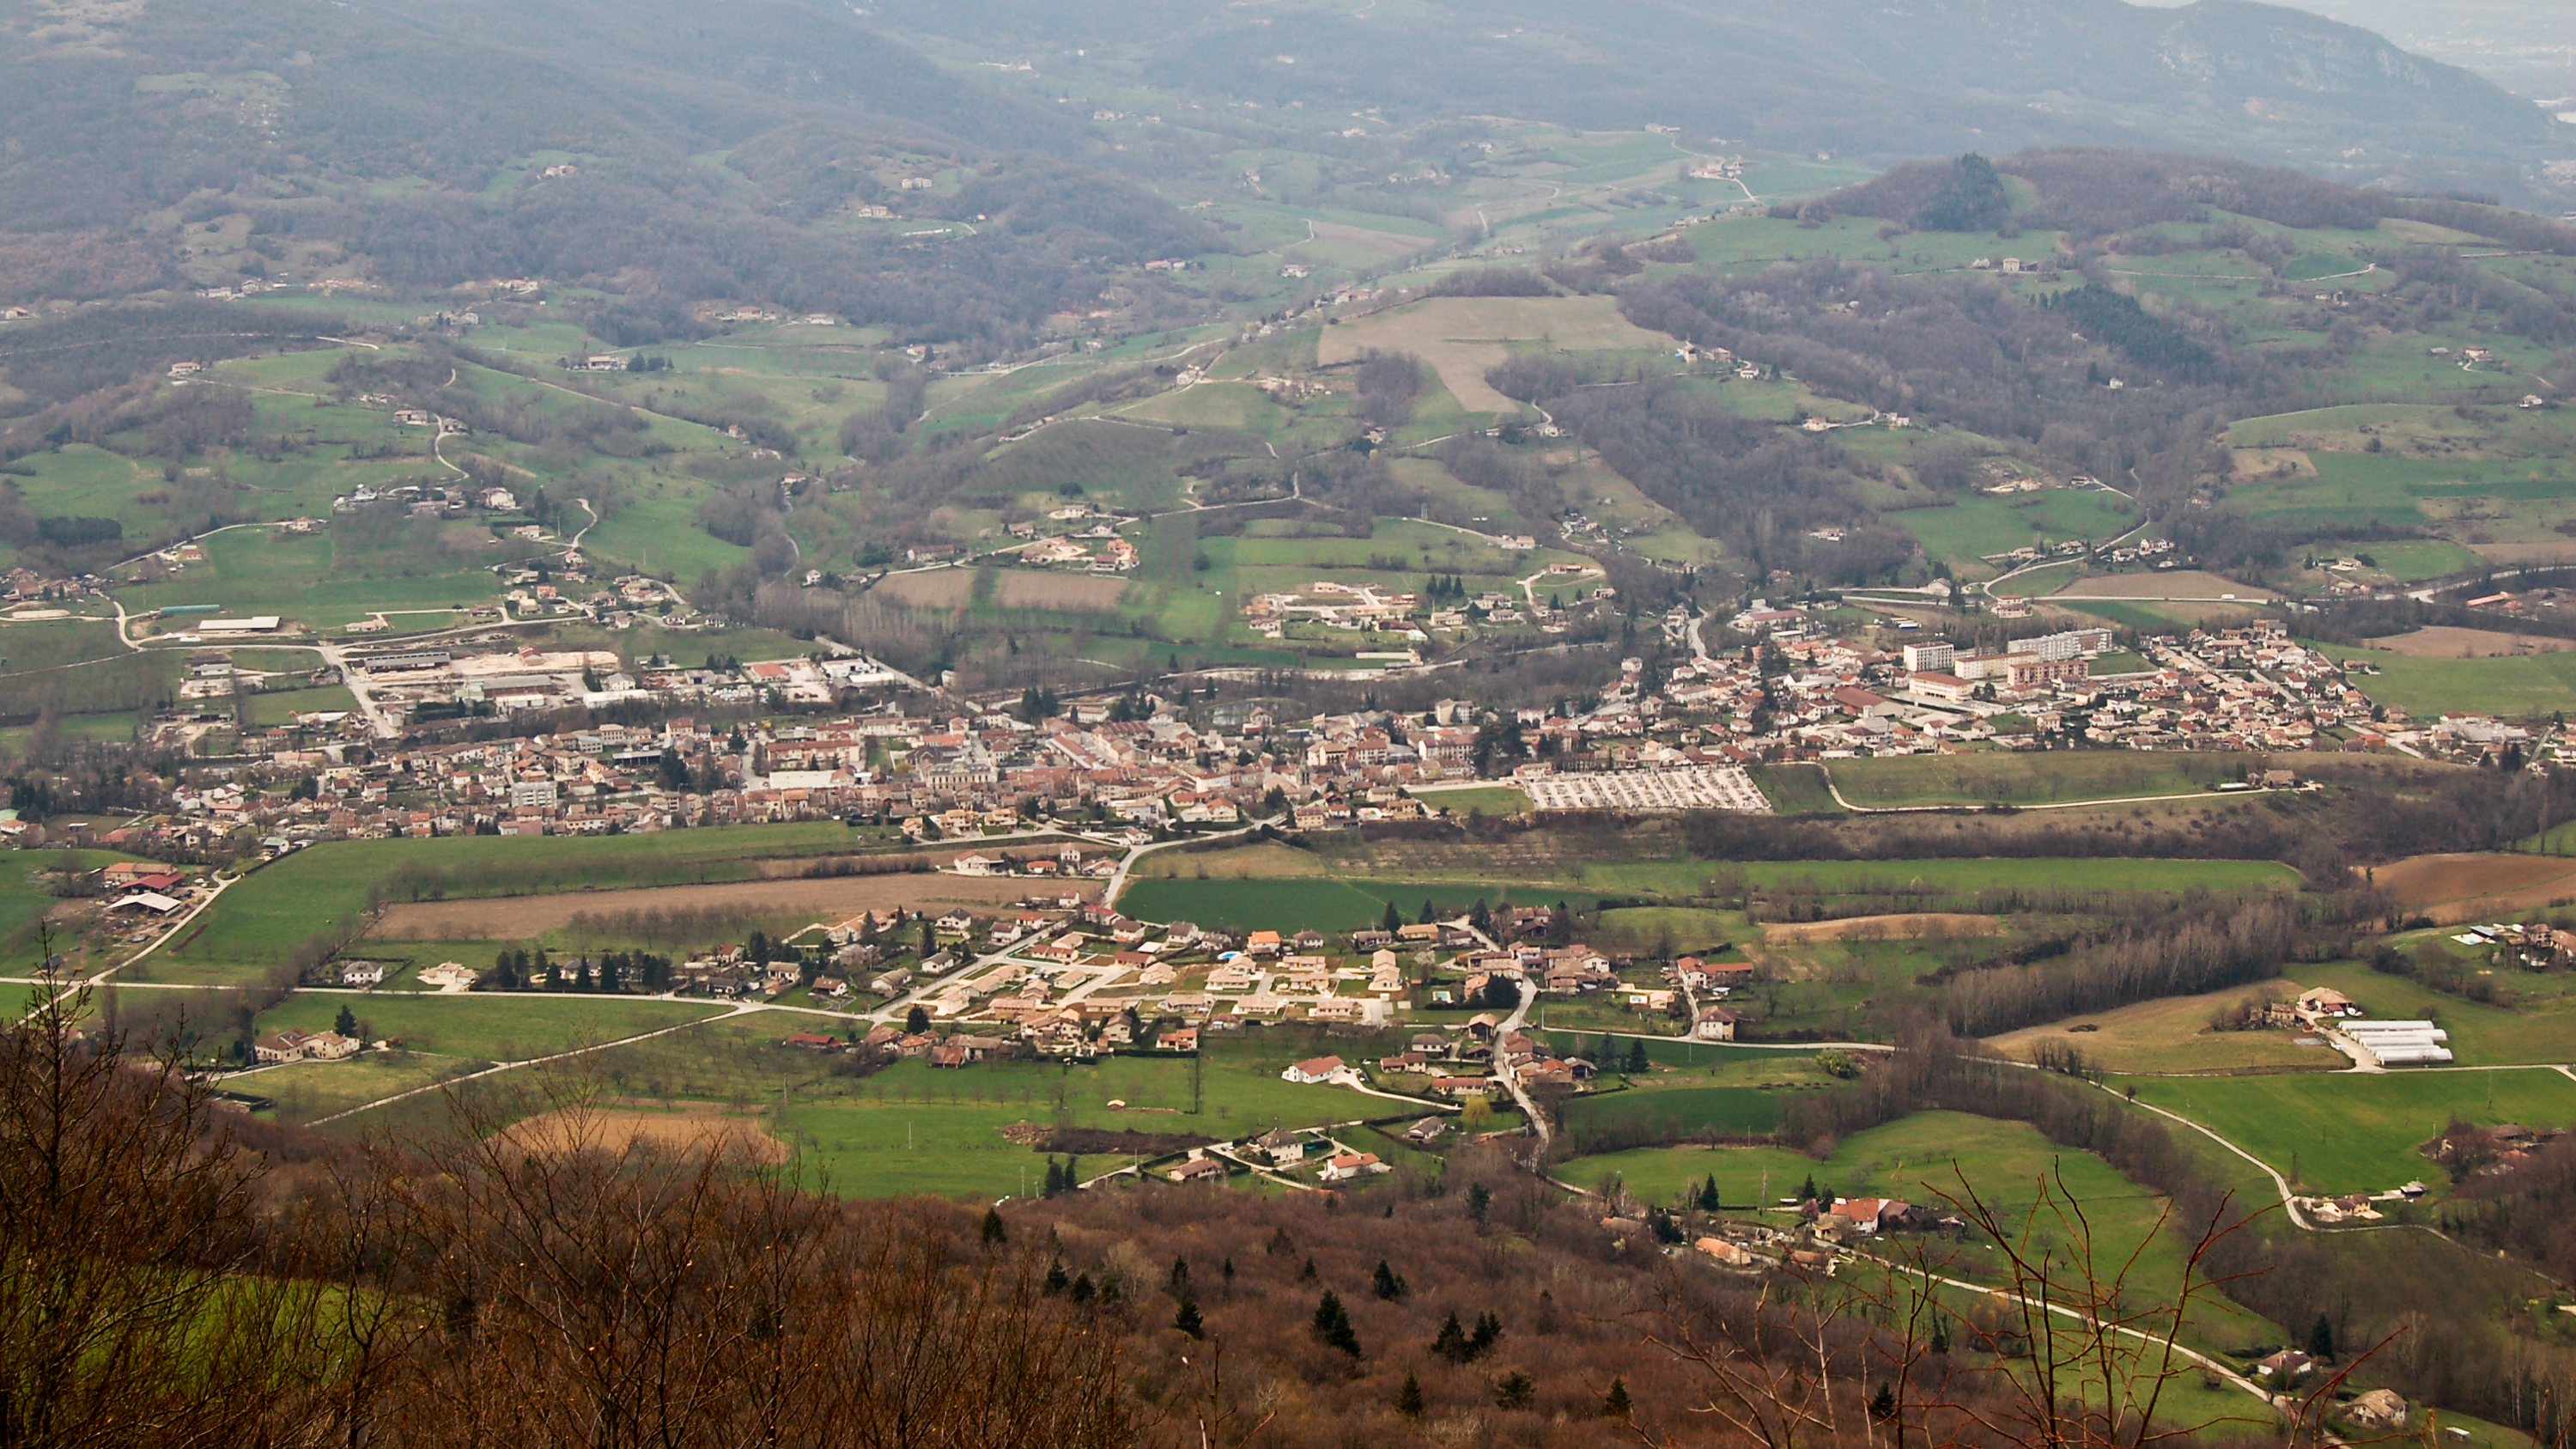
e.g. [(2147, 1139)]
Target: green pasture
[(306, 581), (1352, 896), (53, 643), (1500, 800), (1796, 789), (1674, 1112), (2509, 687), (1690, 932), (2355, 1131), (2411, 560), (2029, 779), (910, 1129), (2045, 873), (1977, 527)]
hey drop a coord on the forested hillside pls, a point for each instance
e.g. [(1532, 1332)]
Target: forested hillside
[(1876, 80)]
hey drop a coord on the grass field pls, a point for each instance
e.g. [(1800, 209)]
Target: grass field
[(1501, 800), (2533, 684), (2029, 779), (1796, 789), (1728, 1111), (1966, 876), (2358, 1132)]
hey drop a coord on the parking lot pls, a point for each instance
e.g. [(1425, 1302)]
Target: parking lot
[(1704, 787)]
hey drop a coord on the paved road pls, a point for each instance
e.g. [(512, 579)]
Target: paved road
[(1539, 1125), (1118, 882)]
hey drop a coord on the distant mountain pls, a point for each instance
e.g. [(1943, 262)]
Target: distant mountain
[(2526, 46), (698, 146), (1874, 79)]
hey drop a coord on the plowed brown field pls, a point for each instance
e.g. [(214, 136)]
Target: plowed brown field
[(696, 1130), (2452, 888)]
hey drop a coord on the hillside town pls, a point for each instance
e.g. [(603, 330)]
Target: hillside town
[(1191, 757)]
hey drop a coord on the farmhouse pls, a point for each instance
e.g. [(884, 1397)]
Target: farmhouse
[(1315, 1071), (1344, 1166)]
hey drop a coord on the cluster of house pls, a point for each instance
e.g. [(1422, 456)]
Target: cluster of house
[(2245, 689), (1289, 1152), (1074, 537), (27, 586)]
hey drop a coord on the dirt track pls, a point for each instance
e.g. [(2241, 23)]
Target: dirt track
[(2454, 888), (526, 918)]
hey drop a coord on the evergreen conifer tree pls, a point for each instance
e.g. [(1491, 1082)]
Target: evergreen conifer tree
[(1389, 1283)]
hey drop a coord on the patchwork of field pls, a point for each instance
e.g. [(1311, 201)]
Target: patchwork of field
[(1463, 338)]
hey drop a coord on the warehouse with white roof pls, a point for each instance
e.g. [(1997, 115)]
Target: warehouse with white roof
[(2400, 1043)]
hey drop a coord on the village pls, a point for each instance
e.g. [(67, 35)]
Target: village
[(1656, 738)]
